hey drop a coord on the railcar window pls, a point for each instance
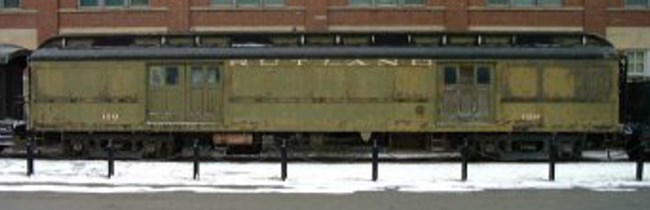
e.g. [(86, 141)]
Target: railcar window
[(451, 76), (284, 40), (319, 40), (197, 76), (79, 42), (356, 40), (496, 40), (462, 40), (426, 40), (215, 41), (147, 41), (171, 75), (113, 41), (391, 39), (213, 76), (180, 41), (483, 75)]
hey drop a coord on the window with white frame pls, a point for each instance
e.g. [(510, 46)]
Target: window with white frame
[(248, 3), (637, 3), (389, 3), (113, 3), (524, 3), (636, 62), (9, 4)]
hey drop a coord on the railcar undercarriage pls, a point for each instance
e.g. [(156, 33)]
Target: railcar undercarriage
[(324, 146)]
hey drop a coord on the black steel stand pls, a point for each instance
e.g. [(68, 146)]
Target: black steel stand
[(30, 155), (283, 157), (111, 159), (639, 163), (464, 152), (375, 160), (552, 156), (196, 158)]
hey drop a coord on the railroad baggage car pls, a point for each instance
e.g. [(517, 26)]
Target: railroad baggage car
[(506, 93)]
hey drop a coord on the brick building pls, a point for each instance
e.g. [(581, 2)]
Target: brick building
[(625, 22)]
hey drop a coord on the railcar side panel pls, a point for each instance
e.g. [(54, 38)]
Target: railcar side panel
[(86, 96), (331, 95), (320, 95)]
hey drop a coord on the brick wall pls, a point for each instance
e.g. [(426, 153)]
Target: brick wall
[(49, 17)]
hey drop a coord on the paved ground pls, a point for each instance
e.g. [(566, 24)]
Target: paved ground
[(488, 200)]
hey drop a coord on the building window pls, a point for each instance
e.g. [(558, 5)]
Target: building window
[(248, 3), (386, 3), (9, 4), (636, 62), (524, 3), (637, 3), (113, 3)]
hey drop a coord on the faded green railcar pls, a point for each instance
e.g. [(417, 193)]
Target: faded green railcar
[(220, 91)]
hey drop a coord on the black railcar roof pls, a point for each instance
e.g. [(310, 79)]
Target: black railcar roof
[(9, 52), (499, 45)]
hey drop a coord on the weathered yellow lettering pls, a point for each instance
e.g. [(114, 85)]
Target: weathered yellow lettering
[(357, 62), (422, 62), (386, 62), (329, 62), (264, 62), (238, 62)]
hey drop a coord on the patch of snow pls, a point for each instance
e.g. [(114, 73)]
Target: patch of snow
[(334, 178)]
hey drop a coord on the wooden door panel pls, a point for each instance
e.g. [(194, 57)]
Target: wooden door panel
[(467, 93)]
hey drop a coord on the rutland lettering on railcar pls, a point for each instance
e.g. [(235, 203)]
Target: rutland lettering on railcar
[(331, 62)]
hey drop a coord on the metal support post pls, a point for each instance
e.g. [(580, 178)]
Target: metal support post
[(375, 159), (640, 161), (111, 158), (196, 158), (639, 169), (552, 156), (464, 152), (283, 157), (30, 155)]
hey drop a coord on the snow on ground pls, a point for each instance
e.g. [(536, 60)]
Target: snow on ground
[(337, 178)]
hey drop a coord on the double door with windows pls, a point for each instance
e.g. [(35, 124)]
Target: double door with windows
[(467, 93), (184, 93)]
